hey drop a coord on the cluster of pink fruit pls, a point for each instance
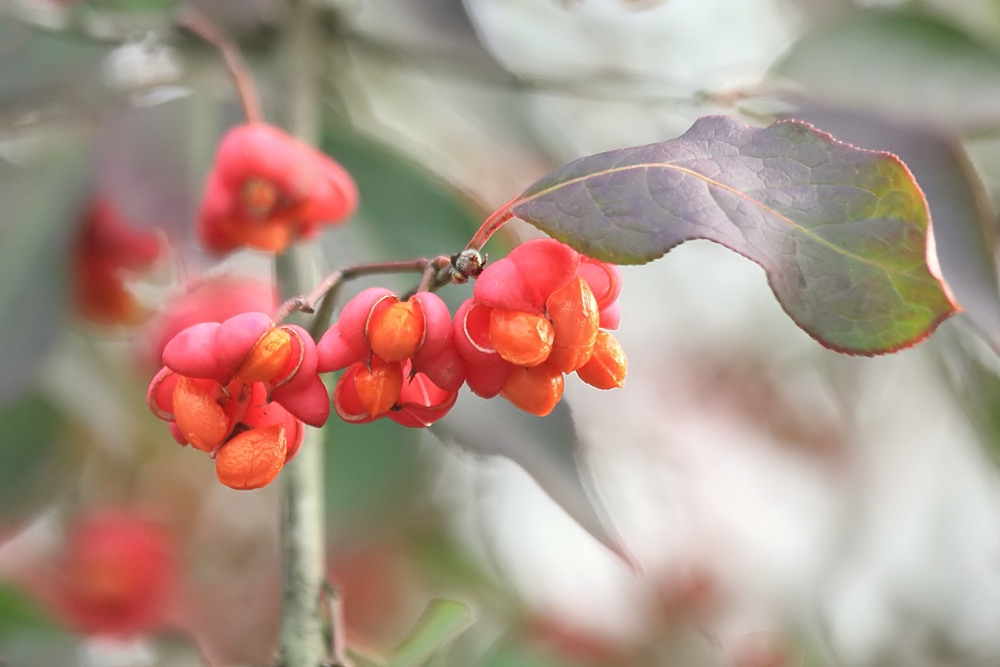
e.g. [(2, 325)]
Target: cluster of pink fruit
[(243, 390)]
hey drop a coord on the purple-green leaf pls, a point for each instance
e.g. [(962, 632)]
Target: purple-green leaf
[(842, 233)]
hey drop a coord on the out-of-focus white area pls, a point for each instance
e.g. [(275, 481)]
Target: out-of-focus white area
[(681, 43), (624, 76), (884, 547), (842, 500)]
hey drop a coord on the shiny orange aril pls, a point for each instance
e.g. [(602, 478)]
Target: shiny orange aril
[(253, 458), (198, 415), (268, 357), (523, 339), (378, 387), (396, 331), (534, 389), (607, 366), (575, 318)]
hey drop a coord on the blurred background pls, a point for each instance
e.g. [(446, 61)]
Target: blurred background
[(748, 499)]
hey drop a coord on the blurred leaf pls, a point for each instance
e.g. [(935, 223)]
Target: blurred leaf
[(513, 651), (362, 660), (371, 471), (443, 561), (40, 68), (42, 207), (29, 637), (841, 232), (901, 63), (964, 225), (406, 209), (974, 378), (30, 432), (20, 614), (437, 625), (545, 447)]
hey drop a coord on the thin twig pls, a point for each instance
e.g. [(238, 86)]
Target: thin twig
[(296, 304), (430, 280), (615, 86), (200, 25), (308, 303)]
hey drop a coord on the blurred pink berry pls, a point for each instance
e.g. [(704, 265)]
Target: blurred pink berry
[(267, 189), (106, 251), (116, 575)]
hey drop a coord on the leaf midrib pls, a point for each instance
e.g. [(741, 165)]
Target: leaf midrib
[(712, 182)]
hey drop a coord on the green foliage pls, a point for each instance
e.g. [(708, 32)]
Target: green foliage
[(406, 209), (34, 252), (31, 429), (41, 67), (437, 625), (372, 470), (20, 615)]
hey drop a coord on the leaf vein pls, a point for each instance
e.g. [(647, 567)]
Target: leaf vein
[(805, 231)]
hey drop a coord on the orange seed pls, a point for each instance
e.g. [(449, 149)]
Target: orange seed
[(268, 357), (575, 319), (521, 338), (378, 387), (534, 389), (198, 415), (607, 366), (253, 458), (396, 331)]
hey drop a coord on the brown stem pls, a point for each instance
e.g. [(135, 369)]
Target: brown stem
[(200, 25), (429, 280), (308, 302)]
